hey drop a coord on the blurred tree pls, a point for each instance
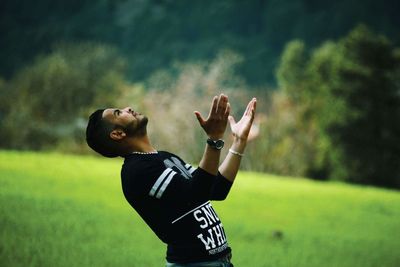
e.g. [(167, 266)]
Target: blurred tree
[(368, 82), (349, 90), (173, 96), (50, 96), (291, 71), (289, 142), (153, 34)]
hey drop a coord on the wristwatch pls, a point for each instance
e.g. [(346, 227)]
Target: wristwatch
[(217, 144)]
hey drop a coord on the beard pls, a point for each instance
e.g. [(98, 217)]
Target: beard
[(138, 130)]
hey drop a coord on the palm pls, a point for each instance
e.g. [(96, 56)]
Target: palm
[(243, 128), (216, 122)]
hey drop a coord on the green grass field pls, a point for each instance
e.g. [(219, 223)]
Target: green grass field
[(59, 210)]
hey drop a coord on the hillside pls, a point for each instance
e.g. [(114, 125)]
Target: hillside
[(59, 210)]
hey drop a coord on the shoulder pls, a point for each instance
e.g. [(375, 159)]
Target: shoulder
[(137, 167), (144, 174), (139, 171), (140, 164), (168, 156)]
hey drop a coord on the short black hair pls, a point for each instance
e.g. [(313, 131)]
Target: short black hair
[(98, 135)]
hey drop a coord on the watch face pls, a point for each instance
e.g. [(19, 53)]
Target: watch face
[(219, 144)]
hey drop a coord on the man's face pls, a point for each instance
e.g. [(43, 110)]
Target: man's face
[(132, 122)]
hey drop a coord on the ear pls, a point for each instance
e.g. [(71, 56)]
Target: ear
[(117, 134)]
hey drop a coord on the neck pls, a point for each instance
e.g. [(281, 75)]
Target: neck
[(140, 144)]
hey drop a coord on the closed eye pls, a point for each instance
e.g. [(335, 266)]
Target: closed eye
[(117, 112)]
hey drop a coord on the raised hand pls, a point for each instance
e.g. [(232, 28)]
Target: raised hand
[(241, 129), (217, 119)]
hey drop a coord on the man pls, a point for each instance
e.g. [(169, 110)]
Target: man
[(171, 196)]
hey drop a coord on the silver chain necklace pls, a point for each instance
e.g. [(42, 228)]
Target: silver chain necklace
[(144, 153)]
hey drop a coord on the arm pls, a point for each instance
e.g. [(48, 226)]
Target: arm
[(171, 186), (214, 126), (240, 131)]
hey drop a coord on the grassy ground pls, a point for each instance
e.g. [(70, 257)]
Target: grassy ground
[(59, 210)]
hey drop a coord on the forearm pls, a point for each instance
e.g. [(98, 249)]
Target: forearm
[(210, 160), (230, 166), (214, 126)]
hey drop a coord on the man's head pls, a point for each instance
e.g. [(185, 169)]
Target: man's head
[(109, 130)]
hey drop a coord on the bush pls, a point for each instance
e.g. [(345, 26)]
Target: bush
[(173, 96), (348, 92), (45, 102)]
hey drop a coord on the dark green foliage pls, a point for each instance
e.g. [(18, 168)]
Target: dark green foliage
[(154, 34), (370, 134), (350, 91)]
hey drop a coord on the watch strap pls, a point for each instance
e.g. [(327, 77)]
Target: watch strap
[(217, 144)]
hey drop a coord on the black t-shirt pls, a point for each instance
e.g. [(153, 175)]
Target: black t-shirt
[(173, 198)]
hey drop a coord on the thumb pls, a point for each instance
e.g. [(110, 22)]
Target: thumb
[(231, 120), (199, 117)]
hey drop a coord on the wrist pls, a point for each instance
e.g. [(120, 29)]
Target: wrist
[(239, 141), (234, 152), (215, 136), (217, 144), (239, 145)]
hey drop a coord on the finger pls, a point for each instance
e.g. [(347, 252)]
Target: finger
[(255, 105), (253, 109), (222, 102), (214, 105), (227, 110), (250, 106), (199, 117), (231, 120), (246, 112)]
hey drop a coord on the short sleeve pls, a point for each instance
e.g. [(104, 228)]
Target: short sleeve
[(167, 184), (220, 188)]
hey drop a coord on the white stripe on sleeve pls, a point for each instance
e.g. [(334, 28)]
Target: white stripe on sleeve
[(159, 180), (191, 170), (165, 184)]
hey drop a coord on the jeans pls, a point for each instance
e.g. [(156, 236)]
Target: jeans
[(223, 262)]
